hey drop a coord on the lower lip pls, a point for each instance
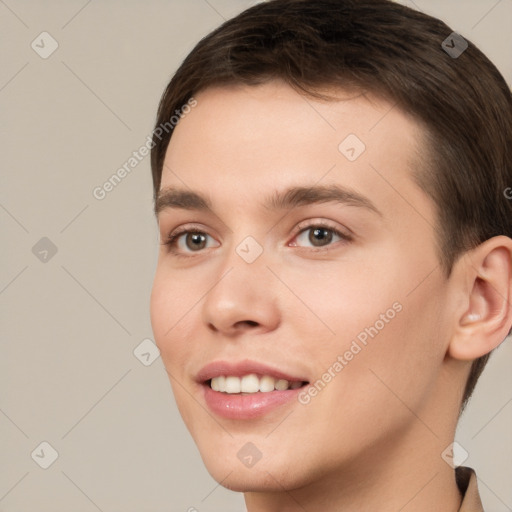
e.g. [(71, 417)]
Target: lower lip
[(245, 407)]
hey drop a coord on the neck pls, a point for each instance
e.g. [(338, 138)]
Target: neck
[(409, 477)]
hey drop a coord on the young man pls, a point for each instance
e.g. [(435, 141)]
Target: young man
[(336, 260)]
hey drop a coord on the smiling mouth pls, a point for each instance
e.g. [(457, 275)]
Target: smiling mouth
[(251, 383)]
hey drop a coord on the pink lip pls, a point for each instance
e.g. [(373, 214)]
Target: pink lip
[(243, 407), (241, 368), (246, 407)]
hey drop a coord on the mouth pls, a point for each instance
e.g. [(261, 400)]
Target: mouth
[(248, 389), (251, 384)]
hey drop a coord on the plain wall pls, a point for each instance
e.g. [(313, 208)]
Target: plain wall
[(71, 323)]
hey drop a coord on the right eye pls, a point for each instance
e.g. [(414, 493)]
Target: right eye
[(187, 240)]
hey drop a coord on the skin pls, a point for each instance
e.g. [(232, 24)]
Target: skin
[(372, 438)]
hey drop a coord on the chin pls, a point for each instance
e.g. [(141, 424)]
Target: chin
[(249, 480), (268, 474)]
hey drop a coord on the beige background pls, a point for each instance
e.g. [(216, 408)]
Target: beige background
[(70, 324)]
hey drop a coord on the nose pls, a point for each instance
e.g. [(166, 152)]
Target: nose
[(243, 298)]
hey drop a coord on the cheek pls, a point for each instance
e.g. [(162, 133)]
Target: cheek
[(171, 305), (378, 323), (343, 298), (395, 365), (397, 361)]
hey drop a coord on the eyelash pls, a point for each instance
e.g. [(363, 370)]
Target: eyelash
[(174, 236)]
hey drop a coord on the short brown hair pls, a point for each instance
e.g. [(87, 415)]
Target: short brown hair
[(394, 52)]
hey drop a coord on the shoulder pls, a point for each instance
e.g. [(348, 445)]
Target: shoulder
[(468, 486)]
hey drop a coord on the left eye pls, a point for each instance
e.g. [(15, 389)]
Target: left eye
[(319, 236)]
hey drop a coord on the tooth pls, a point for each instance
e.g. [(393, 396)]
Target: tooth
[(281, 385), (250, 384), (267, 384), (221, 383), (232, 385)]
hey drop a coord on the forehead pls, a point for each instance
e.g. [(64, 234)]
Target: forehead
[(253, 139), (338, 110)]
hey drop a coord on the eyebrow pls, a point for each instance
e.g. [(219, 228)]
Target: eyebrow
[(280, 200)]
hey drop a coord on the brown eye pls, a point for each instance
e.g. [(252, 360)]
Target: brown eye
[(320, 236), (187, 241), (195, 241)]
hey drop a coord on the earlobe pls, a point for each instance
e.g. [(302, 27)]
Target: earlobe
[(487, 316)]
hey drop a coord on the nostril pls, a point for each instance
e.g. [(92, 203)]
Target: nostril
[(250, 323)]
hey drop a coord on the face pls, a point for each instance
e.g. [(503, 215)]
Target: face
[(300, 281)]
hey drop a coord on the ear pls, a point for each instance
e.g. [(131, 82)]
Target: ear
[(485, 317)]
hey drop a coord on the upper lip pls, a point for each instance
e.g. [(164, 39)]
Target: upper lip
[(241, 368)]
